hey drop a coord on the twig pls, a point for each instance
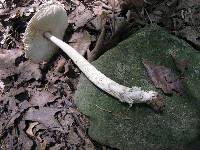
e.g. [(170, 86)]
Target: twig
[(98, 50)]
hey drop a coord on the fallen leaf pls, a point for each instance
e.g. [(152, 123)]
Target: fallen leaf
[(40, 98), (43, 145), (21, 94), (67, 122), (80, 16), (89, 145), (23, 139), (29, 131), (80, 41), (7, 65), (45, 116), (28, 71), (17, 112), (1, 87), (73, 138), (77, 2), (164, 78), (191, 35), (181, 64)]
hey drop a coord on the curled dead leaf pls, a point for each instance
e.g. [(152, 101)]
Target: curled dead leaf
[(164, 78), (29, 131)]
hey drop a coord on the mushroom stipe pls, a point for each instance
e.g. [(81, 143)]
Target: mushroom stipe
[(48, 14)]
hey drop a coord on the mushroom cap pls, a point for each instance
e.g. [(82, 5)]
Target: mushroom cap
[(50, 18)]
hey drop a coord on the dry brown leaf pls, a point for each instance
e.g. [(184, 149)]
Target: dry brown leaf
[(181, 64), (73, 138), (77, 2), (1, 87), (80, 41), (23, 139), (80, 16), (164, 78), (40, 98), (7, 59), (29, 131), (45, 116), (29, 71), (43, 145), (191, 35)]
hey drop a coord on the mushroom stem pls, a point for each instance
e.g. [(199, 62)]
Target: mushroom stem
[(123, 93)]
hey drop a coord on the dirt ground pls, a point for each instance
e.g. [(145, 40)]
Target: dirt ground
[(36, 103)]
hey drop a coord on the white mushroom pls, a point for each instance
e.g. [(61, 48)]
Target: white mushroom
[(51, 18), (51, 22)]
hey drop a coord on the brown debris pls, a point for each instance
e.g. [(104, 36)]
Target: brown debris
[(181, 64), (40, 98), (28, 71), (80, 41), (7, 59), (128, 4), (31, 92), (80, 16), (164, 78), (45, 116)]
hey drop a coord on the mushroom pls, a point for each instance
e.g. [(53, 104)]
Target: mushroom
[(51, 18), (48, 26)]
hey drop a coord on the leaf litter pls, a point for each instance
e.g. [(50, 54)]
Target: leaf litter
[(36, 103)]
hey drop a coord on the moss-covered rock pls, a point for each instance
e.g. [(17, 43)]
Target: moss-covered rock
[(139, 127)]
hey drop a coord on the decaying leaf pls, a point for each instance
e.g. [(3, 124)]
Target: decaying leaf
[(80, 16), (20, 94), (24, 140), (45, 116), (43, 145), (29, 71), (40, 98), (29, 131), (67, 122), (16, 112), (191, 35), (80, 41), (181, 64), (73, 138), (7, 59), (164, 78), (1, 87)]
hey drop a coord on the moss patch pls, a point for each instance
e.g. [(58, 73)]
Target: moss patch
[(139, 127)]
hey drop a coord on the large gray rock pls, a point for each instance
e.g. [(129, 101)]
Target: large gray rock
[(139, 127)]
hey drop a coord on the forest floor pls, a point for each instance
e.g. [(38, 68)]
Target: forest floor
[(37, 110)]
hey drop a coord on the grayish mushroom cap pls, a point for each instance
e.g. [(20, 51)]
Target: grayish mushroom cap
[(50, 18)]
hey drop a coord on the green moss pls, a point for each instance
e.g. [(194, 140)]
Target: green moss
[(139, 127)]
